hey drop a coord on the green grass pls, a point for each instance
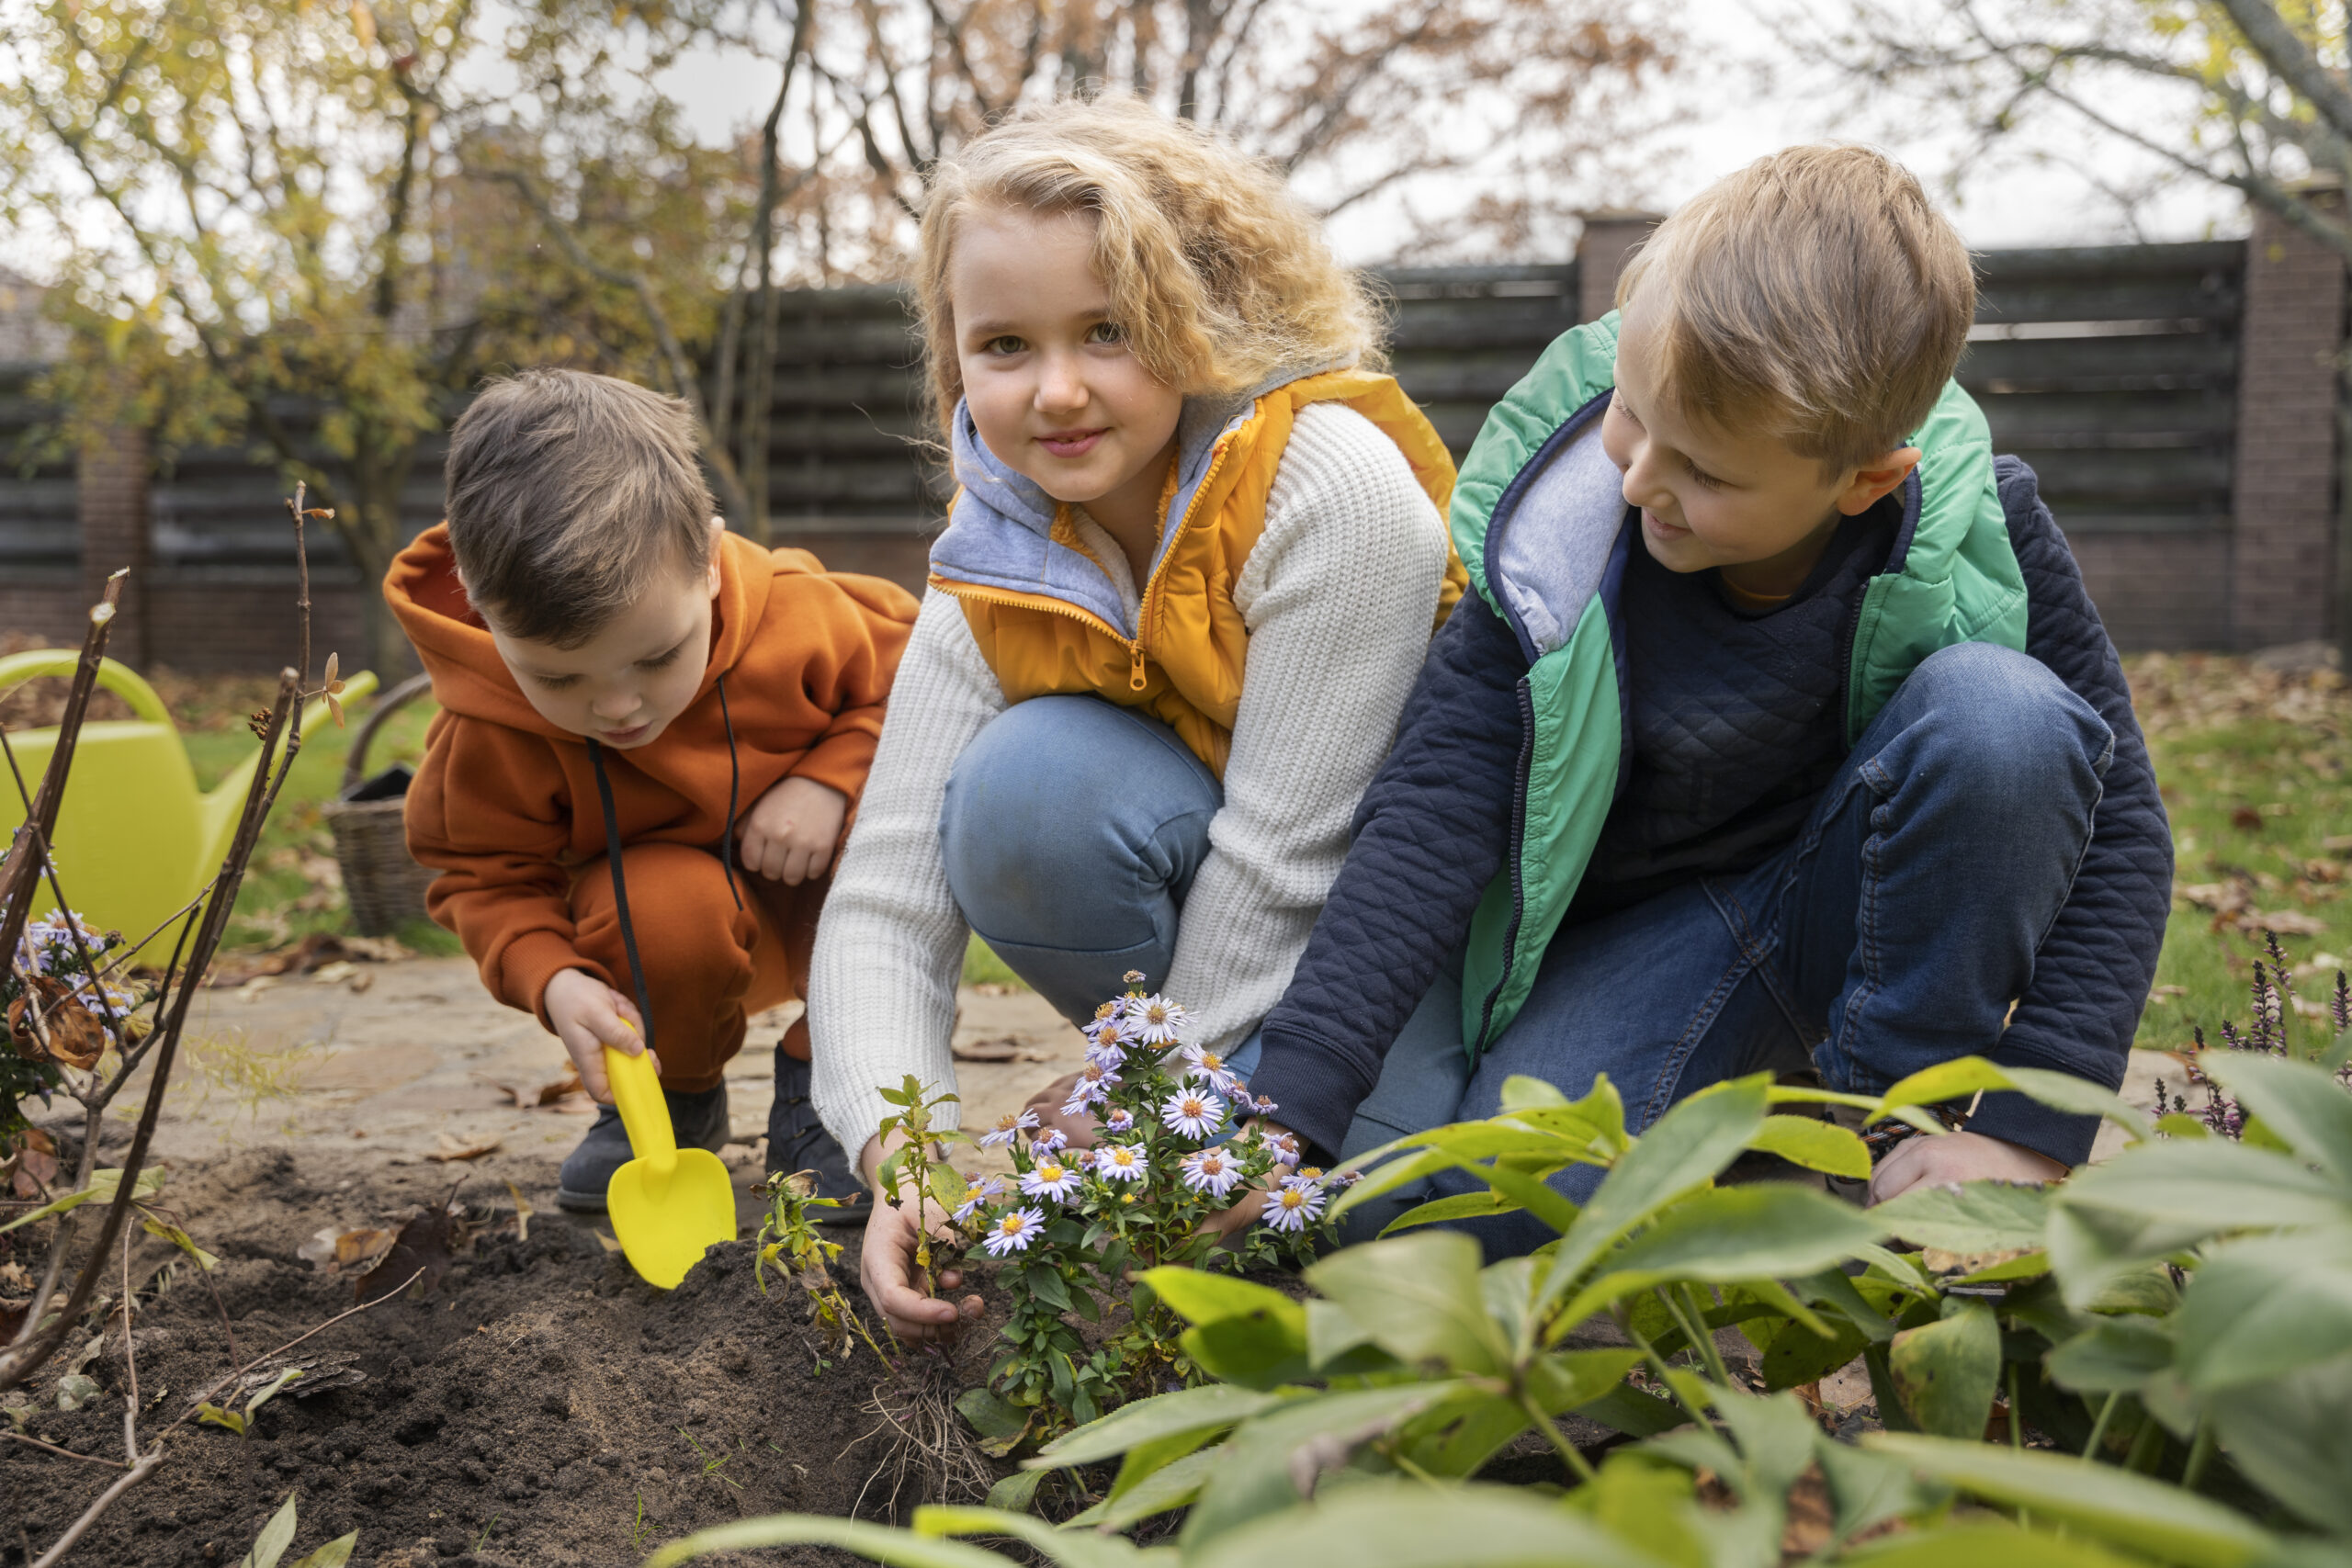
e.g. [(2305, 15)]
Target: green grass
[(983, 967), (2218, 782)]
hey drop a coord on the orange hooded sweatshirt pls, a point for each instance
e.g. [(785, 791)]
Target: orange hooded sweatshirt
[(505, 804)]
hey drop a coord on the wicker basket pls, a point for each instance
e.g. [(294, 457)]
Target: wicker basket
[(385, 887)]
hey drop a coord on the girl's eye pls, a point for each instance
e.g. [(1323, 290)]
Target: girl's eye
[(1003, 345), (1106, 332)]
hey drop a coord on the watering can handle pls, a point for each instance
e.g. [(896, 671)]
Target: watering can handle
[(637, 1093), (355, 763), (120, 679)]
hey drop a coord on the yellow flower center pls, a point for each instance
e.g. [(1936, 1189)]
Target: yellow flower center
[(1012, 1225), (1293, 1198), (1049, 1172)]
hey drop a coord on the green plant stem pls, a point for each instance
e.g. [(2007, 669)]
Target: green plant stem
[(1575, 1460), (2200, 1453), (2016, 1412), (2098, 1427), (2147, 1445), (1658, 1365), (1705, 1342)]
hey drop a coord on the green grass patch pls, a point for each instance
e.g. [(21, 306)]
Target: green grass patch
[(983, 967)]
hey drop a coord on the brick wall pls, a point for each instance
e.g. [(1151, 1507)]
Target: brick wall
[(2158, 589), (1602, 249), (110, 506)]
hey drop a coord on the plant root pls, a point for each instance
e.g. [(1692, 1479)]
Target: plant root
[(927, 1449)]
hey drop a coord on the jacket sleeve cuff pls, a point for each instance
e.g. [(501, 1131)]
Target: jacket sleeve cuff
[(527, 965), (841, 761), (2012, 1118), (1314, 1093)]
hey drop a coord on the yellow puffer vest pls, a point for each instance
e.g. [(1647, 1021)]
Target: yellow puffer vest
[(1185, 663)]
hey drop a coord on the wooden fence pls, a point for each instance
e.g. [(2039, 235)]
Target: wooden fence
[(2116, 371)]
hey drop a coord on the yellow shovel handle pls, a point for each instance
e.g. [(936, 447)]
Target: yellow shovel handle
[(637, 1091)]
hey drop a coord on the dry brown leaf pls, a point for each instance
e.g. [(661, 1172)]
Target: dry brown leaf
[(450, 1146), (31, 1170), (608, 1242), (340, 1251), (565, 1094), (2246, 819), (2285, 922), (523, 1212), (51, 1025), (426, 1242), (1009, 1049)]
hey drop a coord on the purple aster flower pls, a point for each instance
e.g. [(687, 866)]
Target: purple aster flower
[(1263, 1106), (1195, 1112), (1286, 1147), (1207, 1066), (1156, 1020), (1014, 1232), (1121, 1162), (1050, 1178), (1212, 1171), (1093, 1087), (1306, 1176), (1051, 1141), (1296, 1202), (981, 1189), (1006, 1126), (1119, 1119)]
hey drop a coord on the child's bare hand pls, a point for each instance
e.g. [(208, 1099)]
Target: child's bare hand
[(1047, 1102), (888, 1271), (791, 832), (1955, 1157), (589, 1015)]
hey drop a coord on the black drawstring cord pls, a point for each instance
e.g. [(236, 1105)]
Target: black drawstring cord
[(620, 890), (734, 784)]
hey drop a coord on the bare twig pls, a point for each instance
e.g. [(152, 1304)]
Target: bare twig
[(74, 1531), (193, 1404), (62, 1453), (131, 1360)]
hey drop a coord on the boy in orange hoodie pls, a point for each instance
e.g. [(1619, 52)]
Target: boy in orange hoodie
[(621, 677)]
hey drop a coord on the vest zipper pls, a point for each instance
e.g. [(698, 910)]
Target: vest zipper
[(1143, 604), (1052, 606), (1525, 772)]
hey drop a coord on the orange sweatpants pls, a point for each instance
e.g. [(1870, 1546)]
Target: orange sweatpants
[(708, 966)]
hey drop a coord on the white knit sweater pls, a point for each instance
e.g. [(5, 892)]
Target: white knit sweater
[(1338, 596)]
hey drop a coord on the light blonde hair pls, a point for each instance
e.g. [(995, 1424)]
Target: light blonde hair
[(1816, 290), (1218, 277)]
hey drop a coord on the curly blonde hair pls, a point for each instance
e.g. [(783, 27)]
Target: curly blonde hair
[(1219, 277)]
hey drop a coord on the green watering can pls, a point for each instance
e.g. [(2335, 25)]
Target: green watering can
[(135, 837)]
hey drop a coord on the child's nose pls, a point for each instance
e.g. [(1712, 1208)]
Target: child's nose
[(1060, 385), (615, 704)]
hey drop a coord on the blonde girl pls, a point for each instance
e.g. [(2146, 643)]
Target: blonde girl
[(1192, 565)]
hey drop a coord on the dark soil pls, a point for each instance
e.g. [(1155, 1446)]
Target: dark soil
[(541, 1406)]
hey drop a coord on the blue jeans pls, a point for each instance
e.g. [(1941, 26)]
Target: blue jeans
[(1892, 934), (1071, 832)]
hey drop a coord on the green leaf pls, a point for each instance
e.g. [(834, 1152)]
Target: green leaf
[(1014, 1493), (1628, 1410), (990, 1414), (1045, 1284), (1775, 1438), (1381, 1527), (2264, 1307), (1073, 1548), (103, 1184), (2080, 1097), (1974, 1545), (1871, 1488), (2116, 1353), (333, 1554), (1797, 1355), (2289, 1438), (1772, 1230), (879, 1544), (1973, 1216), (1271, 1461), (1332, 1333), (1648, 1505), (1962, 1077), (179, 1238), (1460, 1206), (1571, 1380), (1171, 1486), (1419, 1298), (2115, 1507), (1684, 1150), (1522, 1092), (1948, 1372), (1814, 1145), (210, 1414), (1200, 1297), (270, 1390), (2301, 1103), (1211, 1408), (2156, 1198), (275, 1538)]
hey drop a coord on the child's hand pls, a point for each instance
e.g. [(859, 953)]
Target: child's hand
[(589, 1015), (1078, 1128), (1958, 1156), (791, 832)]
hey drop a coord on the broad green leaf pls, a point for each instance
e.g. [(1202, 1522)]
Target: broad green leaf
[(275, 1538), (1202, 1297), (1171, 1486), (2156, 1198), (1769, 1231), (1869, 1488), (210, 1414), (1775, 1438), (1684, 1150), (2064, 1091), (2289, 1438), (2025, 1266), (1522, 1092), (333, 1554), (1962, 1078), (1459, 1443), (103, 1184), (1648, 1506), (876, 1543), (179, 1238), (1796, 1355), (2148, 1293), (1974, 1545), (1271, 1462), (270, 1390), (1973, 1216), (2114, 1353), (1528, 1192), (2300, 1103), (1419, 1298), (1263, 1350), (1014, 1493), (1072, 1548), (1459, 1206), (1598, 1119), (990, 1414), (1637, 1415), (1561, 1381), (2114, 1506), (1403, 1169), (1814, 1145), (1832, 1290), (1383, 1527), (1948, 1372), (1210, 1408), (1332, 1333), (2263, 1307)]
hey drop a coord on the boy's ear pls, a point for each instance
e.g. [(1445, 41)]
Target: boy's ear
[(717, 538), (1872, 480)]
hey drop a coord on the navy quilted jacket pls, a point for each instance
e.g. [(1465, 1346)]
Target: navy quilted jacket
[(1433, 832)]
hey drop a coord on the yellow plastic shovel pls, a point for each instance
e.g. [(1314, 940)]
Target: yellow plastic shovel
[(668, 1203)]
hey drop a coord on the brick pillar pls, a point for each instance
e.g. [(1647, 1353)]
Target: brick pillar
[(1601, 249), (2283, 482), (111, 504)]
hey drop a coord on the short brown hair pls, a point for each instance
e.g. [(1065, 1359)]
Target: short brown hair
[(1818, 289), (566, 492), (1219, 276)]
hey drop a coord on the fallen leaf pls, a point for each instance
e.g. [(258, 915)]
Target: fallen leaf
[(450, 1146), (15, 1277), (608, 1242), (340, 1251), (552, 1094), (51, 1025), (2246, 819), (426, 1242), (77, 1388), (987, 1050), (31, 1170), (179, 1238), (2338, 843), (523, 1212), (2284, 922), (333, 974)]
